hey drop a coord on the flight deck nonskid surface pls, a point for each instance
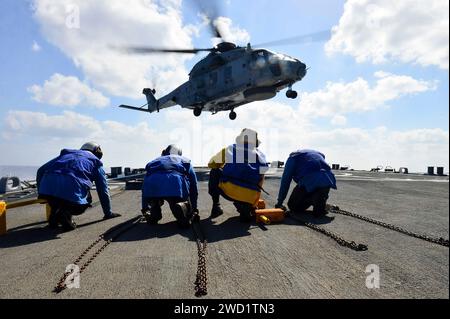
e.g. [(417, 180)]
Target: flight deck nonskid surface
[(244, 261)]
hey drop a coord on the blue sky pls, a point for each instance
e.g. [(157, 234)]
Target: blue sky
[(358, 109)]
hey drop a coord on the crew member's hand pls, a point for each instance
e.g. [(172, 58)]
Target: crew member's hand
[(195, 215), (281, 206)]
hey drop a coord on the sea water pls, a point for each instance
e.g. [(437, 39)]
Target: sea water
[(25, 173)]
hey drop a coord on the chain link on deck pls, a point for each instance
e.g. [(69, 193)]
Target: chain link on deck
[(340, 240), (201, 276), (61, 285), (201, 280), (439, 241)]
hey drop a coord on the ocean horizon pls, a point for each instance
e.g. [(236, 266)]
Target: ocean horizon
[(22, 172), (25, 173), (28, 173)]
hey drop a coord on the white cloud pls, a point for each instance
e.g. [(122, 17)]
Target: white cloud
[(339, 120), (283, 129), (67, 91), (104, 24), (366, 149), (413, 31), (44, 135), (36, 47), (135, 145), (422, 136), (359, 96), (37, 124), (230, 32)]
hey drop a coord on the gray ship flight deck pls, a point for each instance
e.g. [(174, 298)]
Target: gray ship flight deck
[(244, 261)]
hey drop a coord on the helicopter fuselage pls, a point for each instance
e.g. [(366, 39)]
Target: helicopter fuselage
[(222, 81)]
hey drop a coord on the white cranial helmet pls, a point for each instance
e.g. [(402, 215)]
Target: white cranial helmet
[(172, 150), (94, 148)]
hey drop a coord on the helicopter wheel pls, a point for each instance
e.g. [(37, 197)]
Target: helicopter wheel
[(291, 94), (233, 115), (197, 111)]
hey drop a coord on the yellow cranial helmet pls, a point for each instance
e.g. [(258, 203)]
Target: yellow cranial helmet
[(248, 136)]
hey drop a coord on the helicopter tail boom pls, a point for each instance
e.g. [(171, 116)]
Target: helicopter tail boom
[(133, 108), (153, 105), (151, 100)]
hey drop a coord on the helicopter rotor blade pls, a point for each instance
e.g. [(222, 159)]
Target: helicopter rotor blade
[(149, 50), (321, 36), (216, 30), (212, 11)]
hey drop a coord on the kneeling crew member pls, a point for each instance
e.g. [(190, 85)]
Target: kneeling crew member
[(170, 178), (66, 180), (314, 179), (237, 173)]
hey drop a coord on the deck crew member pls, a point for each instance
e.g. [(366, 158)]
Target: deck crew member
[(314, 179), (237, 174), (170, 178), (66, 180)]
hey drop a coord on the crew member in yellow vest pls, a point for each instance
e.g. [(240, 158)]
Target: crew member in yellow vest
[(237, 174)]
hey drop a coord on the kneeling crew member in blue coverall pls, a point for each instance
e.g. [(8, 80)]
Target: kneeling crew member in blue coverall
[(314, 179), (66, 180), (170, 178), (237, 173)]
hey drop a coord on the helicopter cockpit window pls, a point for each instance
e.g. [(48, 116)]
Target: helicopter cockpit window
[(281, 57), (274, 63), (217, 61), (259, 59)]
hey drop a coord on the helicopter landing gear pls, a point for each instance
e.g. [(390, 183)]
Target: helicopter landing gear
[(291, 94), (233, 115), (197, 112)]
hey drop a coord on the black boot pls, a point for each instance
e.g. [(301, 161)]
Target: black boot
[(245, 211), (216, 210), (53, 218), (182, 212), (154, 216), (245, 217), (320, 202), (65, 218)]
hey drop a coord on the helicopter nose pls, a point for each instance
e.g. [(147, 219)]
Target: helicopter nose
[(301, 72)]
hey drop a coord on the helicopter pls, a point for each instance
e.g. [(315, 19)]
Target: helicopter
[(229, 76)]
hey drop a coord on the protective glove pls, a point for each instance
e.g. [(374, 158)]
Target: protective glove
[(195, 215), (281, 206)]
